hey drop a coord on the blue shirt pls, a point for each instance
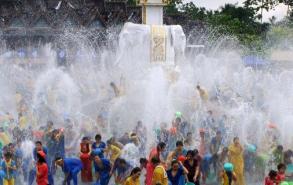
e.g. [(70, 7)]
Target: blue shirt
[(9, 174), (101, 145), (104, 172), (175, 180), (72, 165)]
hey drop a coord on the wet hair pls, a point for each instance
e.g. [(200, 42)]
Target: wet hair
[(58, 158), (174, 162), (143, 160), (132, 134), (235, 138), (38, 142), (41, 159), (98, 136), (8, 155), (273, 174), (161, 145), (122, 161), (179, 143), (219, 132), (281, 166), (195, 151), (155, 160), (189, 133), (190, 152), (135, 170), (178, 119)]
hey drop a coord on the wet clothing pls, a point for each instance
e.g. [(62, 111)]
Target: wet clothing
[(175, 180), (131, 181), (192, 170), (42, 175), (72, 167), (101, 145), (104, 172), (8, 173), (236, 158), (160, 176), (86, 172), (268, 181), (149, 173)]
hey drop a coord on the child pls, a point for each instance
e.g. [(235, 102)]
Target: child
[(281, 173), (9, 168), (271, 178), (227, 175)]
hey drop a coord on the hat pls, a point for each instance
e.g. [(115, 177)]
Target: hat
[(228, 167), (42, 154)]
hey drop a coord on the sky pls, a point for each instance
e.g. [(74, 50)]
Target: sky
[(279, 11)]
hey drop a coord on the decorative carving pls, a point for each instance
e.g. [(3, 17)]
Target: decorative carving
[(158, 44)]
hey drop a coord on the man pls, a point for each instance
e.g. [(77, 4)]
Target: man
[(71, 167), (121, 170), (214, 149), (160, 174)]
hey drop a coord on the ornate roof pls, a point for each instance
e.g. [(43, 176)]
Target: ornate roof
[(50, 17)]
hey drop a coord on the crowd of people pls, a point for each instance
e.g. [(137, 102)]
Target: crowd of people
[(179, 157), (175, 154)]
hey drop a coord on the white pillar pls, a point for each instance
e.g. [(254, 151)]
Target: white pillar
[(152, 12)]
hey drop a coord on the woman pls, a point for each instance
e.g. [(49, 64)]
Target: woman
[(176, 173), (236, 158), (133, 179), (192, 165), (86, 172), (42, 169)]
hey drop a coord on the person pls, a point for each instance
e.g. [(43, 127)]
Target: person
[(160, 175), (149, 167), (115, 89), (227, 175), (99, 143), (271, 178), (202, 143), (202, 93), (112, 151), (278, 156), (121, 170), (9, 168), (189, 142), (102, 168), (133, 179), (214, 150), (179, 151), (236, 158), (86, 172), (192, 165), (287, 157), (32, 174), (157, 152), (176, 173), (42, 169), (71, 167), (281, 176)]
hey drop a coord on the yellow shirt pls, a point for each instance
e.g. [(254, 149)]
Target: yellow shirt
[(22, 122), (4, 138), (160, 176), (131, 181), (114, 152)]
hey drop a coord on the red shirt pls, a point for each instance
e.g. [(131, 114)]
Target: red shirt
[(154, 153), (149, 173), (269, 181), (280, 178), (42, 175)]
